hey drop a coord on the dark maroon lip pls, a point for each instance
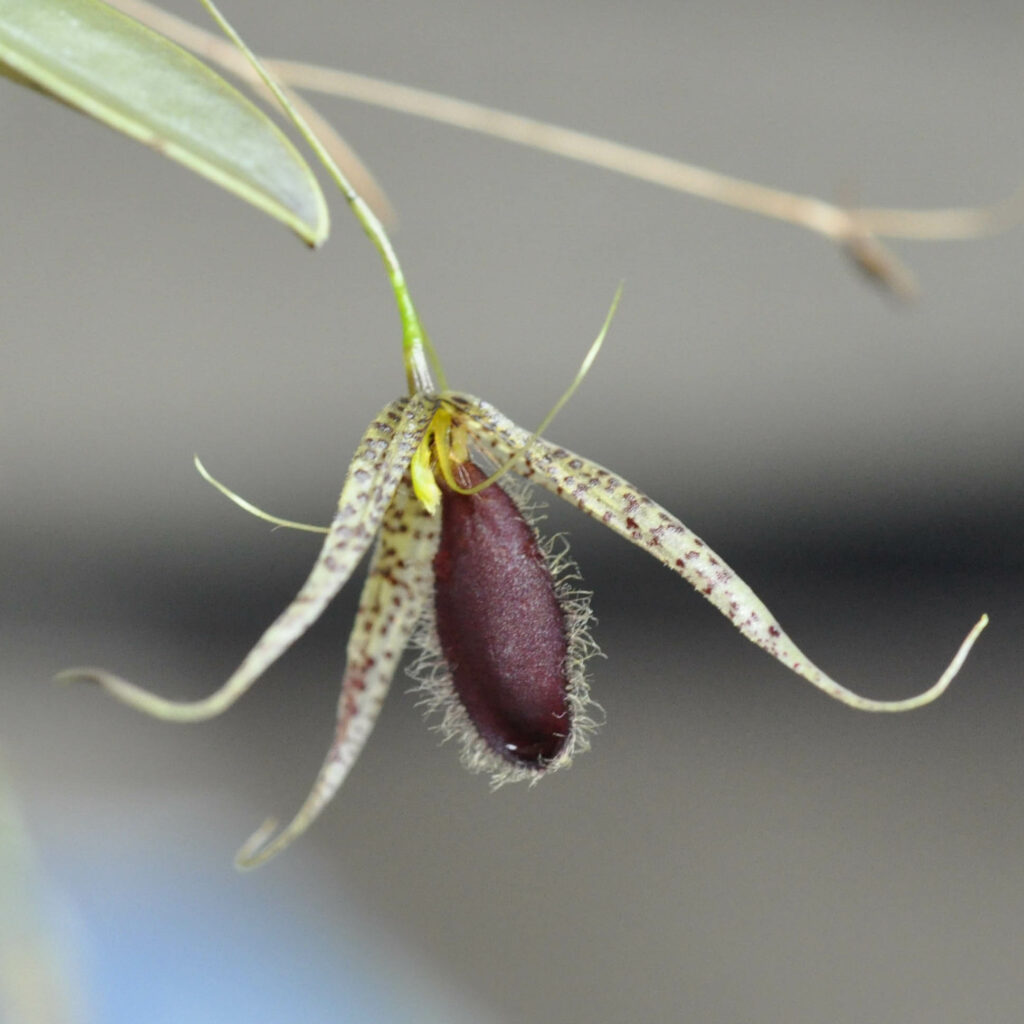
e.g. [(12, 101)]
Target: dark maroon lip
[(501, 628)]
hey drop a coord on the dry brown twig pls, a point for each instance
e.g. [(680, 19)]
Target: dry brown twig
[(858, 230)]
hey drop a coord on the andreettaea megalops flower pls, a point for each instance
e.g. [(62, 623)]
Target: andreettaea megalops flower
[(458, 569), (504, 638)]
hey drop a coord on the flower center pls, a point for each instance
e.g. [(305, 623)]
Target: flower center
[(443, 446)]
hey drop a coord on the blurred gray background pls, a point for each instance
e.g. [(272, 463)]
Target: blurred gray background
[(735, 847)]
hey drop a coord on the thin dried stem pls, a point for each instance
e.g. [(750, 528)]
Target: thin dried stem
[(856, 229)]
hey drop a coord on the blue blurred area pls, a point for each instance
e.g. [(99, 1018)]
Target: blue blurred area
[(152, 930)]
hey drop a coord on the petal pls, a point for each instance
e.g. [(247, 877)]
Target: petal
[(629, 512), (396, 592), (377, 467)]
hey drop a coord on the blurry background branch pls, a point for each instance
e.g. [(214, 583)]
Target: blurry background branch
[(858, 230)]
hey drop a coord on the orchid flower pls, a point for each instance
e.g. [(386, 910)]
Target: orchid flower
[(459, 571)]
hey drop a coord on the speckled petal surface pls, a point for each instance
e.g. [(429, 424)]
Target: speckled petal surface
[(379, 464), (398, 585), (629, 512)]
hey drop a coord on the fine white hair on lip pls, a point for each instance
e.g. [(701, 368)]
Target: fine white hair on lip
[(433, 678)]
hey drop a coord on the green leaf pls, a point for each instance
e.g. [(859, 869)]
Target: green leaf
[(108, 66)]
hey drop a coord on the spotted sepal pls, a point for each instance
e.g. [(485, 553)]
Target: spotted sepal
[(397, 589), (379, 464), (626, 510)]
